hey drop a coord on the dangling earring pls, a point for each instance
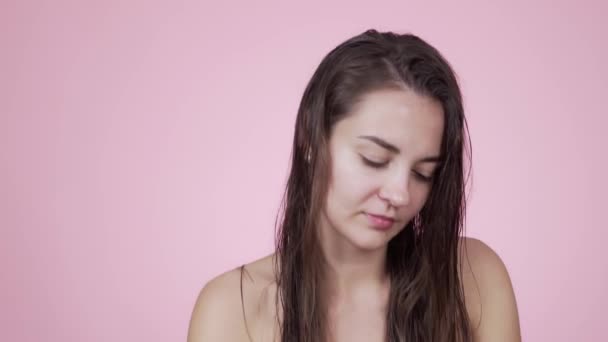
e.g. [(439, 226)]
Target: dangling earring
[(308, 156), (417, 223)]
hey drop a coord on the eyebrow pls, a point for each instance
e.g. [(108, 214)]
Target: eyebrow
[(392, 148)]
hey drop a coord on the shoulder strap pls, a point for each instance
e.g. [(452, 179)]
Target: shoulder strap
[(243, 304)]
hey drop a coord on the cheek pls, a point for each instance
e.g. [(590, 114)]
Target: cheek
[(420, 194), (351, 183)]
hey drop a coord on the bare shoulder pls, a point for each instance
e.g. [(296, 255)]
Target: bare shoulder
[(218, 310), (259, 299), (489, 295)]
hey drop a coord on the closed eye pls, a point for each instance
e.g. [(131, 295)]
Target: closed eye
[(379, 165), (423, 177), (373, 164)]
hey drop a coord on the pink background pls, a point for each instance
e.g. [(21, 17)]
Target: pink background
[(144, 145)]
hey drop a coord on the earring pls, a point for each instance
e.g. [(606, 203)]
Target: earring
[(417, 223), (308, 156)]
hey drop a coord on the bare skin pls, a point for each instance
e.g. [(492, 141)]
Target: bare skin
[(218, 314), (383, 157)]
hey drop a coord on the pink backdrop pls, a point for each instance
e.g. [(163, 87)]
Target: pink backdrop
[(144, 145)]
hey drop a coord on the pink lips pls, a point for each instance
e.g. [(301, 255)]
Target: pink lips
[(380, 222)]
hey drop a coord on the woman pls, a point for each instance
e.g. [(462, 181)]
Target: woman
[(369, 244)]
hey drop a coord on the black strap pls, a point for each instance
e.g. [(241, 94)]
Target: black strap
[(243, 304)]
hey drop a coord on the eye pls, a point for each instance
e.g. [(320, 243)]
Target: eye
[(422, 177), (374, 164), (379, 165)]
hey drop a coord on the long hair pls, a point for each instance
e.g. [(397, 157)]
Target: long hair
[(426, 301)]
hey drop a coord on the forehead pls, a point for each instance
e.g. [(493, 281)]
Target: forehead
[(400, 116)]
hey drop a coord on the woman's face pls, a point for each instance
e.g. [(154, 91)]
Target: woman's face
[(382, 155)]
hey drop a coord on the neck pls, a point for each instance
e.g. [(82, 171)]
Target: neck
[(352, 272)]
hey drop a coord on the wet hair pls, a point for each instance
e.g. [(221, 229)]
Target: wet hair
[(426, 301)]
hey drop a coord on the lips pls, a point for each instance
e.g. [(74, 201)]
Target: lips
[(382, 217), (380, 221)]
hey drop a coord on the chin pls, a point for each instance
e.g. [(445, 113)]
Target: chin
[(367, 239)]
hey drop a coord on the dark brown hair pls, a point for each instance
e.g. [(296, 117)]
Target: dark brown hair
[(426, 301)]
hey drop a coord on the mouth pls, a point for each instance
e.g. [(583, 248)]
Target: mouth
[(379, 221)]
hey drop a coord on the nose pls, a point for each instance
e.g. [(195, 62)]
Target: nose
[(396, 190)]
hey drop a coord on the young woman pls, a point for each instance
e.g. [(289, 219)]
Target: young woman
[(369, 244)]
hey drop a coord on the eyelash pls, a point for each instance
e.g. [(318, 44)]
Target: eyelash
[(376, 165)]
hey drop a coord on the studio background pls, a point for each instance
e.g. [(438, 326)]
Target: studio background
[(144, 146)]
